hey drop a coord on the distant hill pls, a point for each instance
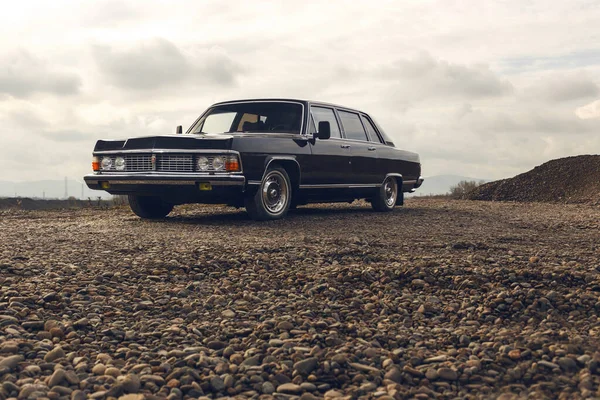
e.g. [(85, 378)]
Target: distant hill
[(49, 189), (441, 184), (564, 180)]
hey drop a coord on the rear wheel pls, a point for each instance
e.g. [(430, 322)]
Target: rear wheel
[(387, 194), (273, 198), (149, 207)]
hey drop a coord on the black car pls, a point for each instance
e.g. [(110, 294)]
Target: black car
[(266, 155)]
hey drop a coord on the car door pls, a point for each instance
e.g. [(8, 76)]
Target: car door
[(330, 162), (364, 153)]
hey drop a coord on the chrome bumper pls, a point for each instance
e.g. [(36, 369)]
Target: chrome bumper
[(95, 181)]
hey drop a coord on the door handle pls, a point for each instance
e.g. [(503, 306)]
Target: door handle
[(345, 146), (372, 148)]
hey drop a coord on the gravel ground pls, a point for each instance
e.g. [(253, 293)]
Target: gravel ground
[(440, 299)]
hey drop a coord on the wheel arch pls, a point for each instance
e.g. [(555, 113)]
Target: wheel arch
[(399, 181), (291, 166)]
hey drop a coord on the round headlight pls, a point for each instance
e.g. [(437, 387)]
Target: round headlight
[(106, 163), (203, 163), (120, 164), (218, 163)]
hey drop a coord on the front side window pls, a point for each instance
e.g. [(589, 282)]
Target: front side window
[(260, 117), (352, 126), (325, 114)]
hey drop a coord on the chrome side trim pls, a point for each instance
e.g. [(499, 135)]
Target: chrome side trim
[(339, 186), (254, 182)]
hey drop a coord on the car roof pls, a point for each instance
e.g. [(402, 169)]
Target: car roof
[(305, 102)]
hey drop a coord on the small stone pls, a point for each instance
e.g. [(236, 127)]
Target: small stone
[(57, 333), (54, 354), (514, 354), (11, 362), (290, 388), (216, 345), (268, 388), (131, 383), (285, 326), (394, 374), (99, 369), (308, 387), (332, 394), (548, 364), (447, 374), (217, 384), (228, 314), (431, 374), (419, 283), (57, 377), (112, 371), (567, 364), (78, 395), (81, 323), (306, 366)]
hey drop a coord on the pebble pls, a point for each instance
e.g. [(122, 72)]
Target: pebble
[(54, 354), (290, 388), (447, 374), (306, 366)]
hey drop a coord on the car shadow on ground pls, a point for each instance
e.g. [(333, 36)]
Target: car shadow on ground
[(228, 216)]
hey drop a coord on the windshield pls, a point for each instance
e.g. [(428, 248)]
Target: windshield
[(261, 117)]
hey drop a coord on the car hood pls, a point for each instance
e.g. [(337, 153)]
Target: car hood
[(168, 142)]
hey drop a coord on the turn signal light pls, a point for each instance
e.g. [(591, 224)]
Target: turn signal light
[(232, 164), (95, 164)]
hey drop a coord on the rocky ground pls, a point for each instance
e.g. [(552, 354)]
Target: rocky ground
[(441, 299)]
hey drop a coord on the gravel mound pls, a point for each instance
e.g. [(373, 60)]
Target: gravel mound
[(441, 299), (565, 180)]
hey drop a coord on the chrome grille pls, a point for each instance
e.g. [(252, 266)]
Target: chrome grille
[(175, 163), (138, 162)]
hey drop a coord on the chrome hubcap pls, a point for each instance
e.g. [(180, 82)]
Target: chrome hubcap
[(275, 193), (389, 188)]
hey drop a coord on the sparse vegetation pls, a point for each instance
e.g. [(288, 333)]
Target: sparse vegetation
[(459, 190)]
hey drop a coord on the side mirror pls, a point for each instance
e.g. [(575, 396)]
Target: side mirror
[(324, 130), (179, 130)]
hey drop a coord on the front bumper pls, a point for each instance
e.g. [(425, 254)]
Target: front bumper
[(175, 188), (99, 181)]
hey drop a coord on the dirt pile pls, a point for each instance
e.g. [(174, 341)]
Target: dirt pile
[(565, 180)]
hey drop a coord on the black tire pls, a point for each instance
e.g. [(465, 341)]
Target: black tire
[(273, 198), (149, 207), (386, 196)]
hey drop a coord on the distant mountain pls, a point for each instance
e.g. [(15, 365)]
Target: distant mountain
[(441, 184), (50, 190)]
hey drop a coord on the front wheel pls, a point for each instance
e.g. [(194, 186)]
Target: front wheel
[(387, 194), (149, 207), (272, 199)]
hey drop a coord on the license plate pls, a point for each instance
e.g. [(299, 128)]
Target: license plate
[(205, 186)]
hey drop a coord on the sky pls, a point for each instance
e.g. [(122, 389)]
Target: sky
[(481, 89)]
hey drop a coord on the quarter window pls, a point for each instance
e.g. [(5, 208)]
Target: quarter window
[(371, 130), (325, 114), (352, 126)]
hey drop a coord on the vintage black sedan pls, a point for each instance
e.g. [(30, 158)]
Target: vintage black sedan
[(266, 155)]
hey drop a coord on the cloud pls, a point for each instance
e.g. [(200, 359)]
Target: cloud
[(589, 111), (561, 87), (158, 63), (22, 75), (425, 76)]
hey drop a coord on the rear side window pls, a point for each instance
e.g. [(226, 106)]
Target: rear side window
[(352, 126), (371, 130), (325, 114)]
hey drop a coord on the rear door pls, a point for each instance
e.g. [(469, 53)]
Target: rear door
[(364, 153), (330, 158)]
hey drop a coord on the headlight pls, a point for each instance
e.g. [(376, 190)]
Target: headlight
[(120, 164), (218, 163), (106, 163), (203, 164)]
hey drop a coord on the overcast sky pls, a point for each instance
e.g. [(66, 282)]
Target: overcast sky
[(481, 89)]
